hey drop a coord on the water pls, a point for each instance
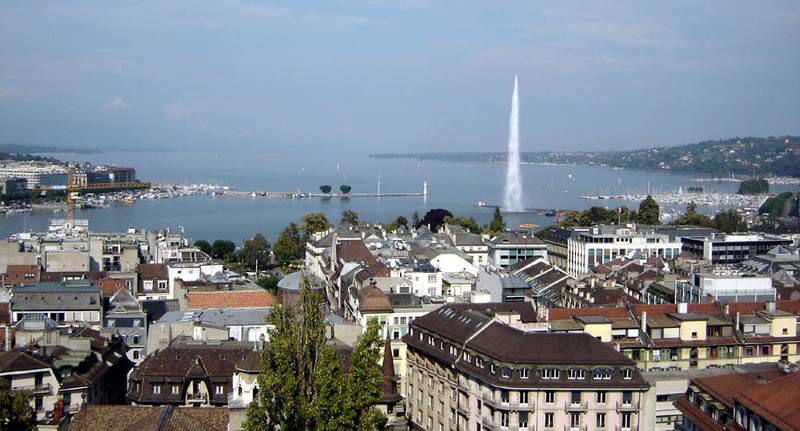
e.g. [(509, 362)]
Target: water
[(513, 198), (455, 186)]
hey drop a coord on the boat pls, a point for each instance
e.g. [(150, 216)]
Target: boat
[(528, 226), (128, 201)]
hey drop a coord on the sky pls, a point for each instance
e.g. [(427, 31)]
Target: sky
[(395, 75)]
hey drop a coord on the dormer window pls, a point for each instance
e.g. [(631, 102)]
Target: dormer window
[(627, 374), (602, 374), (576, 374), (551, 373), (479, 362), (524, 373), (466, 356), (505, 372), (491, 368)]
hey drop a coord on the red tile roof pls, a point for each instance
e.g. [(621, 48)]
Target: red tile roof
[(110, 286), (22, 274), (725, 387), (775, 401), (373, 300), (568, 313), (231, 299)]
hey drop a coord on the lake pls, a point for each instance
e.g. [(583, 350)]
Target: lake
[(455, 186)]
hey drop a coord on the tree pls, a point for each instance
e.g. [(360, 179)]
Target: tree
[(434, 218), (415, 219), (325, 188), (204, 246), (729, 221), (289, 245), (692, 218), (649, 213), (753, 186), (345, 189), (313, 223), (468, 223), (302, 385), (255, 249), (270, 283), (16, 413), (349, 217), (497, 225), (396, 223), (222, 248)]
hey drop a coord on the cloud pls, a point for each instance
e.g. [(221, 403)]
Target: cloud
[(117, 104)]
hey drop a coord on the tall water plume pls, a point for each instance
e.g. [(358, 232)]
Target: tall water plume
[(513, 198)]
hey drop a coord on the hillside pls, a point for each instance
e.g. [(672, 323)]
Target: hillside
[(772, 156)]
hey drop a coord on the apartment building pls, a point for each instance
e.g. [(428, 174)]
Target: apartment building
[(470, 367), (731, 248), (508, 248)]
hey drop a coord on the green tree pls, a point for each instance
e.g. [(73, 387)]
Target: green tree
[(302, 385), (313, 223), (204, 246), (255, 249), (415, 219), (345, 189), (729, 221), (349, 217), (222, 248), (396, 223), (753, 186), (434, 218), (649, 213), (692, 218), (289, 245), (269, 283), (468, 223), (497, 225), (325, 188), (16, 413)]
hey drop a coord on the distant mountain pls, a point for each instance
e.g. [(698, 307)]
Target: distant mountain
[(13, 148), (772, 156)]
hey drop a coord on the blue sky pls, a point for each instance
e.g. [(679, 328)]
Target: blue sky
[(405, 75)]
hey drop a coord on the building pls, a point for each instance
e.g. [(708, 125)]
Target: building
[(28, 372), (764, 400), (10, 185), (127, 320), (245, 388), (22, 274), (240, 324), (598, 245), (508, 248), (66, 303), (38, 176), (153, 281), (469, 369), (731, 248), (724, 285), (188, 372)]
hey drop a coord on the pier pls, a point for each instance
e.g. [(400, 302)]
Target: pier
[(304, 195)]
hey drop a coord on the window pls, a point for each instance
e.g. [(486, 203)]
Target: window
[(627, 374), (524, 373), (156, 389), (504, 396), (576, 373), (491, 368), (601, 420), (549, 397), (694, 334), (550, 373), (626, 420), (601, 397), (602, 374), (504, 419), (466, 356), (523, 419), (523, 398), (176, 390), (441, 345), (432, 278), (575, 420), (219, 389), (505, 372), (479, 362), (548, 420), (430, 401), (627, 398)]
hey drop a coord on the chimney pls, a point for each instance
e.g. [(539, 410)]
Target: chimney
[(8, 338), (644, 321), (683, 307), (770, 306), (737, 320), (726, 309)]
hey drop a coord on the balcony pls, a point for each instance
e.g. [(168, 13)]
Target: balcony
[(576, 407), (576, 428), (234, 402), (42, 388), (197, 398), (627, 406)]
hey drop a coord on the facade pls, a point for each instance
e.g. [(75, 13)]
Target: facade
[(731, 248), (725, 286), (38, 176), (25, 371), (153, 281), (12, 185), (468, 369), (602, 244), (507, 248), (188, 372), (66, 303)]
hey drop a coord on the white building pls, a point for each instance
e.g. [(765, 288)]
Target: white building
[(38, 176), (601, 244), (725, 286)]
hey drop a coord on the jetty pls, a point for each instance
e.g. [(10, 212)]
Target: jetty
[(306, 195)]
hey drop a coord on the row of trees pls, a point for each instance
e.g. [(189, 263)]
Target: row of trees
[(648, 213), (344, 188), (255, 251)]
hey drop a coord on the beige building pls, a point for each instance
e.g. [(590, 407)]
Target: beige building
[(469, 370)]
